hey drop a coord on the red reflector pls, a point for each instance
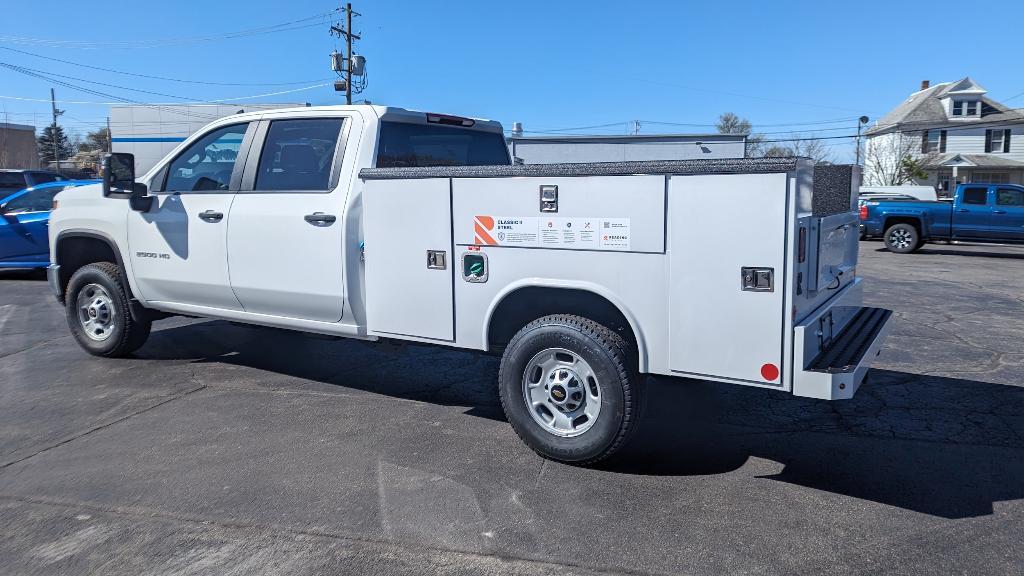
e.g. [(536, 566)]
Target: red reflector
[(770, 372), (864, 212), (803, 244)]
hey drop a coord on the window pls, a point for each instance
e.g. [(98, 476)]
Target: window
[(990, 177), (933, 141), (12, 181), (33, 201), (208, 163), (958, 108), (1010, 197), (972, 107), (298, 154), (405, 144), (976, 196), (997, 141)]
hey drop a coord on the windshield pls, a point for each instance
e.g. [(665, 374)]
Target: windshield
[(404, 144)]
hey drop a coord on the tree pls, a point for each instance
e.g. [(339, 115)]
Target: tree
[(46, 140), (95, 141), (894, 160), (805, 147), (730, 123)]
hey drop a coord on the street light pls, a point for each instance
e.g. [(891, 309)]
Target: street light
[(860, 122)]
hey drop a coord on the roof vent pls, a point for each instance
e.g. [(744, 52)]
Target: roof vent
[(925, 84)]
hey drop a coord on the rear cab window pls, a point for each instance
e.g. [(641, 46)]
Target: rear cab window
[(975, 196), (12, 181), (404, 144)]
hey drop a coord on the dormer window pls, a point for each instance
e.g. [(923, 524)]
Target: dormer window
[(965, 107)]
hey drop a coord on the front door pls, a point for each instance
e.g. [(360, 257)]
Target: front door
[(178, 248), (972, 214), (1008, 214), (286, 231)]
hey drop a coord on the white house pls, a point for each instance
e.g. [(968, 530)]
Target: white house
[(954, 132)]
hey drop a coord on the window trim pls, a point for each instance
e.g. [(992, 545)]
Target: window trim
[(159, 184), (252, 161)]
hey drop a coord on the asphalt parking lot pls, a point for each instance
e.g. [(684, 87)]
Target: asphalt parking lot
[(224, 449)]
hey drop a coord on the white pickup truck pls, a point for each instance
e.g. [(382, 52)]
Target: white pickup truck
[(380, 223)]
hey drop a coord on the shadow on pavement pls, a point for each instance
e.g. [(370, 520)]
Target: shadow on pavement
[(22, 274), (942, 446), (954, 252)]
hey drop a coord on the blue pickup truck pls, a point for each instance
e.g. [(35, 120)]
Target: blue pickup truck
[(978, 213)]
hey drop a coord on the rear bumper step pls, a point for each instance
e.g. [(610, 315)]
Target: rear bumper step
[(847, 351), (837, 371)]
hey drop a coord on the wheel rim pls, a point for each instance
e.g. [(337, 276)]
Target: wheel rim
[(96, 312), (901, 239), (561, 392)]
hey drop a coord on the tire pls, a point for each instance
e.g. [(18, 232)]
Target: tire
[(560, 369), (99, 314), (902, 238)]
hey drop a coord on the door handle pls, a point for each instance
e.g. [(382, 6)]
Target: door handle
[(963, 210), (211, 216), (319, 218), (999, 211)]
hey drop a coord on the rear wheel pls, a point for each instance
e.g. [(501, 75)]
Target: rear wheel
[(902, 238), (98, 313), (569, 388)]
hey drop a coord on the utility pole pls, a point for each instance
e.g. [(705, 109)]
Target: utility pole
[(110, 137), (349, 37), (53, 128)]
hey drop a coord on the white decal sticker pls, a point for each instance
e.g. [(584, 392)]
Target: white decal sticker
[(553, 232)]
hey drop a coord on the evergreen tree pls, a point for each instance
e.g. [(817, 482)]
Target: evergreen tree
[(50, 134)]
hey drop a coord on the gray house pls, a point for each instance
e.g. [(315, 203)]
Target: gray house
[(955, 132)]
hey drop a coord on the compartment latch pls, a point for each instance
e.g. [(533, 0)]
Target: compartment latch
[(757, 279)]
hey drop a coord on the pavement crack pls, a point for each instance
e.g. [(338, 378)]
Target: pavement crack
[(99, 427)]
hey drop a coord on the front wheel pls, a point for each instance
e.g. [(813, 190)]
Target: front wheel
[(570, 389), (902, 238), (98, 313)]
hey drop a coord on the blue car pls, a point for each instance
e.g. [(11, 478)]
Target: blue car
[(24, 219)]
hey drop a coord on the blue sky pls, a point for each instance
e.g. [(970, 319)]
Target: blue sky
[(551, 65)]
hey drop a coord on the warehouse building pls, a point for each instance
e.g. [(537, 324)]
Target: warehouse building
[(18, 146), (574, 149), (151, 131)]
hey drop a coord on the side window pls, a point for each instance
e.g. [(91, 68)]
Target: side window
[(207, 164), (1009, 197), (298, 154), (975, 196), (34, 201)]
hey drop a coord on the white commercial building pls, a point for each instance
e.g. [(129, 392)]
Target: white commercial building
[(150, 131), (632, 148)]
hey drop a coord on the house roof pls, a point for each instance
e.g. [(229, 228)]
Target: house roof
[(923, 109), (977, 160)]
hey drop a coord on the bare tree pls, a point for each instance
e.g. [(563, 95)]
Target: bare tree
[(894, 160), (729, 123)]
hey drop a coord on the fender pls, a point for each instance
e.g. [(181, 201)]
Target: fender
[(569, 285), (137, 309)]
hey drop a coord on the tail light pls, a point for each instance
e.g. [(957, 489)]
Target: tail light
[(864, 212)]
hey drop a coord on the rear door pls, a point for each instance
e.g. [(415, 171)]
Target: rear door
[(972, 215), (23, 226), (1008, 215), (286, 232)]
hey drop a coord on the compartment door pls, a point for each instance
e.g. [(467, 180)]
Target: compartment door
[(407, 230), (719, 226)]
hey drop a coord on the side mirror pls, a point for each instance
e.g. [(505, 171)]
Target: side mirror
[(118, 174)]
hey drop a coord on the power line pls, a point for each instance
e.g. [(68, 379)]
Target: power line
[(298, 24), (202, 82)]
